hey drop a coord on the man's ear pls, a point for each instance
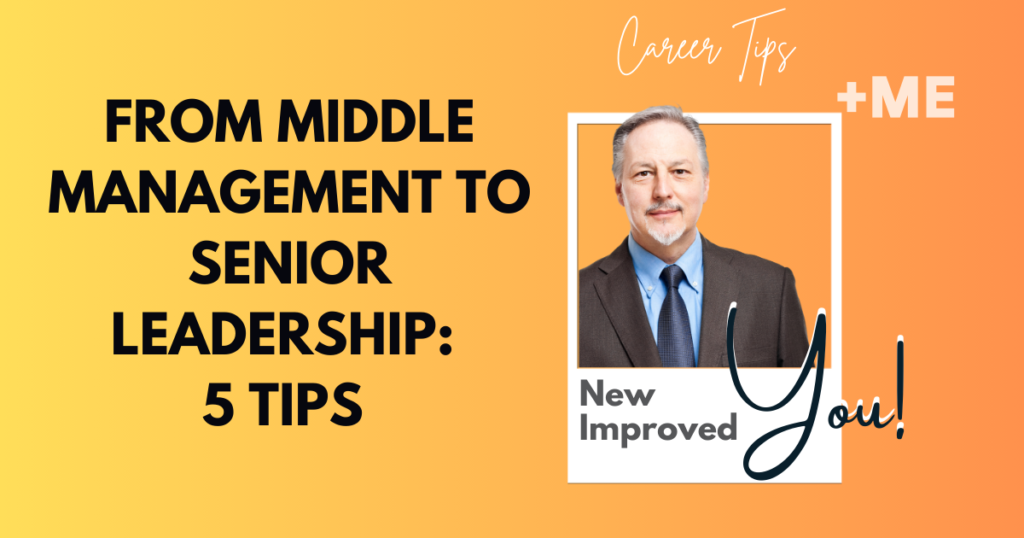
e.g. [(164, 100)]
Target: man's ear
[(707, 187), (618, 193)]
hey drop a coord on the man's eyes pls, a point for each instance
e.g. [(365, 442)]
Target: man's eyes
[(648, 173)]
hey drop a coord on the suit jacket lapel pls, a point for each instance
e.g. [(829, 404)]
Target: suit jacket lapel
[(620, 297), (721, 284)]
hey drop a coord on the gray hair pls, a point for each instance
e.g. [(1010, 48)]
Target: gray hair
[(655, 113)]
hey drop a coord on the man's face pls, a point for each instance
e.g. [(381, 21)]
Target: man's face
[(663, 186)]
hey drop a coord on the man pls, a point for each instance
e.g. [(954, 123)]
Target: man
[(662, 297)]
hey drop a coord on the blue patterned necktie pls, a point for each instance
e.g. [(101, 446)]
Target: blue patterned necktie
[(675, 344)]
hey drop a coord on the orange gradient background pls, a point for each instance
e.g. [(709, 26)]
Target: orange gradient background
[(475, 442)]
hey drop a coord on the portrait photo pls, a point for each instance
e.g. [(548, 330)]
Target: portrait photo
[(678, 219)]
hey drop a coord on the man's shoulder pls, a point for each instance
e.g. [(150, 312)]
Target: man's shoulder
[(593, 271), (605, 265), (746, 264)]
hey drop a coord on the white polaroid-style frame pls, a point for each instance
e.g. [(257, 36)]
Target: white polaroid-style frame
[(705, 395)]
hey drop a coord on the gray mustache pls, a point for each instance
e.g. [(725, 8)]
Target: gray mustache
[(664, 205)]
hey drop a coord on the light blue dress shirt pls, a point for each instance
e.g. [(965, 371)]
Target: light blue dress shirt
[(648, 269)]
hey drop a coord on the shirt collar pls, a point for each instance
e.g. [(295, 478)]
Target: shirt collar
[(648, 267)]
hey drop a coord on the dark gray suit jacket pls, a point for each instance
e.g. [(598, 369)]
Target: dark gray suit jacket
[(770, 330)]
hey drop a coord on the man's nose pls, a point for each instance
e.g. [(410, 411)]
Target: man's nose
[(663, 186)]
